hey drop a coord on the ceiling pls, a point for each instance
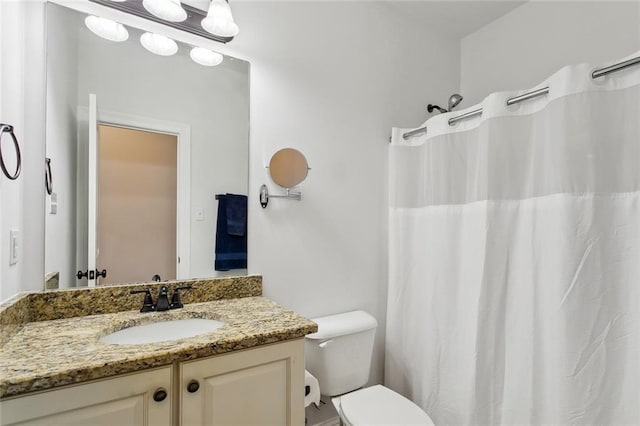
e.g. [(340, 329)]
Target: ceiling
[(451, 18), (454, 18)]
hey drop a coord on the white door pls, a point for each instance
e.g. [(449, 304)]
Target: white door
[(87, 184), (92, 198)]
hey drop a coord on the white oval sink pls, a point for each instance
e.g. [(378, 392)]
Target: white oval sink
[(162, 331)]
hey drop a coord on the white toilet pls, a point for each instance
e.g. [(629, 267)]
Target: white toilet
[(339, 356)]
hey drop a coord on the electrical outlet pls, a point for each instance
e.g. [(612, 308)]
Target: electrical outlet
[(14, 236)]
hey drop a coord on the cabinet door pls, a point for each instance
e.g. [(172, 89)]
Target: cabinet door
[(262, 386), (122, 401)]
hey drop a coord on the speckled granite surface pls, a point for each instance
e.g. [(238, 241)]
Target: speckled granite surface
[(73, 303), (44, 354), (50, 305), (13, 313)]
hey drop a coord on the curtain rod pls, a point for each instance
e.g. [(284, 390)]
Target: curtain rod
[(619, 66), (510, 101), (415, 132), (615, 67)]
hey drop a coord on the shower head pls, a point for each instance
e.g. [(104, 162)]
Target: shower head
[(431, 107), (454, 100)]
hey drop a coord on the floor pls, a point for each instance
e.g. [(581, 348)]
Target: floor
[(325, 415)]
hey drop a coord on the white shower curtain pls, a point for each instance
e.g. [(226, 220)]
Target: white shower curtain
[(514, 246)]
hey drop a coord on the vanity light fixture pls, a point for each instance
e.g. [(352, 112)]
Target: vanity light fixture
[(205, 57), (169, 10), (159, 44), (192, 24), (219, 20), (106, 28)]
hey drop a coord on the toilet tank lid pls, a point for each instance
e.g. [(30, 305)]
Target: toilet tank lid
[(341, 324)]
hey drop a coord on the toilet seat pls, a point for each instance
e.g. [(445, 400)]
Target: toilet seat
[(378, 405)]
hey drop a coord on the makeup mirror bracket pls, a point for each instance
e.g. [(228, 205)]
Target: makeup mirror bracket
[(264, 196), (288, 168)]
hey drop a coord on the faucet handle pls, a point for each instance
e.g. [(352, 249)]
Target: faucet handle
[(147, 305), (175, 299)]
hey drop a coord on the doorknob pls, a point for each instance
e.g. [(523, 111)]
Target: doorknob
[(102, 273), (81, 274)]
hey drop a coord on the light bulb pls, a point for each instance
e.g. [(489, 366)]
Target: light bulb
[(169, 10), (205, 57), (158, 44), (219, 20), (106, 28)]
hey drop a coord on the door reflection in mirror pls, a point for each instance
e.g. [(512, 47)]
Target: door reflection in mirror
[(137, 228)]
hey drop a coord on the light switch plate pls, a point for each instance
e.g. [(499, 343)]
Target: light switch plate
[(200, 215), (53, 203), (14, 236)]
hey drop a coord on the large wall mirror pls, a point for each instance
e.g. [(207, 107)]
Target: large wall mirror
[(141, 147)]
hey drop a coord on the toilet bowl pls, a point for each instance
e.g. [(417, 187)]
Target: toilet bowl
[(339, 356), (378, 405)]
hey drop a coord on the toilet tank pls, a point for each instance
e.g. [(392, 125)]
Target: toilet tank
[(339, 354)]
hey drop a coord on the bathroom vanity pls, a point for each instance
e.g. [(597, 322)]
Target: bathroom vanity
[(55, 370)]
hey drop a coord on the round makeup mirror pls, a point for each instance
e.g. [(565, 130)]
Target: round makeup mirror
[(288, 167)]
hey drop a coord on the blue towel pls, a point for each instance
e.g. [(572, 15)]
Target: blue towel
[(236, 214), (231, 250)]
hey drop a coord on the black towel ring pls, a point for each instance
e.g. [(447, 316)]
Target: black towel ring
[(7, 128), (48, 177)]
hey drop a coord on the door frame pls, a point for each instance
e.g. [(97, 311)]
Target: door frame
[(183, 199)]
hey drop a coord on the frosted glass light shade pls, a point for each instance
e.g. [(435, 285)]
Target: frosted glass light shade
[(205, 57), (169, 10), (158, 44), (106, 28), (219, 20)]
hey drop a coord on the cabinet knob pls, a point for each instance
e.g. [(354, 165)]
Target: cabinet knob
[(193, 386), (160, 395)]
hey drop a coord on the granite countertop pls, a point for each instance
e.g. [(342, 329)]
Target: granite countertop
[(45, 354)]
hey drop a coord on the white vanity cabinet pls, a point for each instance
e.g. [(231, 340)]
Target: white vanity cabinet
[(258, 386), (124, 401), (262, 386)]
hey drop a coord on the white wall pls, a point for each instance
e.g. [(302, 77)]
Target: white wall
[(525, 46), (330, 79), (22, 105)]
